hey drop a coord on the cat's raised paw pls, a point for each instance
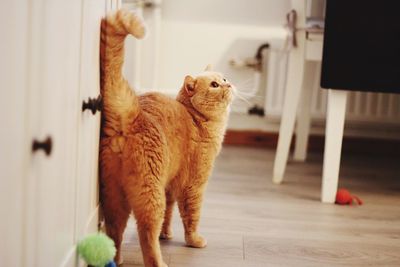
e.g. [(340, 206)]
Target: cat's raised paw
[(195, 241)]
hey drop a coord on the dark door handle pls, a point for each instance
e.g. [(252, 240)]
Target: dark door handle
[(93, 104), (45, 145)]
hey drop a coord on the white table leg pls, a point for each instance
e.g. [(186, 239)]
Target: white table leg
[(292, 95), (304, 112), (333, 144)]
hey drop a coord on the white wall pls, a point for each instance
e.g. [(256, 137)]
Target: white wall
[(206, 43), (196, 33), (240, 12)]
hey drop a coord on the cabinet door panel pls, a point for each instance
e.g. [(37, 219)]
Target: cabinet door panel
[(13, 141), (56, 33), (89, 124)]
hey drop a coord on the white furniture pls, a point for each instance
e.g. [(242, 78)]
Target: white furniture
[(301, 70), (335, 117), (49, 66), (344, 67)]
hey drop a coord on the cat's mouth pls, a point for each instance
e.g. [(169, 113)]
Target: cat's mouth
[(231, 93)]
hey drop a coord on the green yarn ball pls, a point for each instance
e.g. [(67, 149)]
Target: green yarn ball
[(97, 249)]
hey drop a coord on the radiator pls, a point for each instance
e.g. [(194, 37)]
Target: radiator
[(361, 107)]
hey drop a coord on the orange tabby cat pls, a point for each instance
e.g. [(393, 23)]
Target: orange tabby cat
[(155, 150)]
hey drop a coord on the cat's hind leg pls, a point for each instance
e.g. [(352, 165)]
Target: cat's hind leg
[(113, 203), (116, 213), (166, 232), (147, 199)]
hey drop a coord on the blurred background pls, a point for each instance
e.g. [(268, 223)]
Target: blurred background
[(264, 206), (184, 36)]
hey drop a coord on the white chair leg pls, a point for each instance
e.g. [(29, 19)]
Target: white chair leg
[(292, 95), (304, 112), (333, 144)]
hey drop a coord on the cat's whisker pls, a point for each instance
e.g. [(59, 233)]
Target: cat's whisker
[(243, 91), (238, 93), (246, 87), (246, 92), (246, 84), (237, 103), (243, 98), (249, 95), (240, 105)]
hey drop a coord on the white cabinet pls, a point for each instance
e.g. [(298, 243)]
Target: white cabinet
[(14, 147), (87, 163), (50, 66), (55, 59)]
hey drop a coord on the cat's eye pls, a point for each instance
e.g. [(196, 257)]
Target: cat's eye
[(224, 80), (214, 84)]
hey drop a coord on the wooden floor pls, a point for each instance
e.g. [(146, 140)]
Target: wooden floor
[(249, 221)]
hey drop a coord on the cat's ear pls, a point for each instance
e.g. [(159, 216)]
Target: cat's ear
[(189, 85), (208, 68)]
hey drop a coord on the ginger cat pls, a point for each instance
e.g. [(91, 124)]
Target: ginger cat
[(155, 150)]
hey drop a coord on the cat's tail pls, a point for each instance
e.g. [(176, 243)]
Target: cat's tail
[(119, 100)]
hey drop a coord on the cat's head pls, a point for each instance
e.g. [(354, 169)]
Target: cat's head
[(208, 93)]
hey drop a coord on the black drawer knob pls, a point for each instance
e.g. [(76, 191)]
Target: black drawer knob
[(45, 145), (93, 104)]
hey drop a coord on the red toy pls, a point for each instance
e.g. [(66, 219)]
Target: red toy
[(343, 197)]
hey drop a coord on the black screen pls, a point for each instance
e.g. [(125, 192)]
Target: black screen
[(362, 45)]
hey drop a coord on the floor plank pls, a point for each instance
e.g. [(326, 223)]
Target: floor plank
[(249, 221)]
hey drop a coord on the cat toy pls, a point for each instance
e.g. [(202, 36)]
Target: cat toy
[(97, 250), (343, 197)]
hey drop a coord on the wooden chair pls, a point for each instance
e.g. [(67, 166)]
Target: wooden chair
[(304, 56), (360, 53)]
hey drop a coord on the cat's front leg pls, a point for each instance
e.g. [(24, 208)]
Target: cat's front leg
[(190, 206)]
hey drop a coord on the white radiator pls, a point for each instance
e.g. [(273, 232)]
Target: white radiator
[(361, 106)]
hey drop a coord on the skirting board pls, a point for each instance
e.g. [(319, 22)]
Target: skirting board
[(351, 144)]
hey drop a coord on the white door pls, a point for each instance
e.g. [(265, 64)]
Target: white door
[(14, 144), (54, 94)]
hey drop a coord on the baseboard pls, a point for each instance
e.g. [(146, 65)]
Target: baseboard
[(351, 144)]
